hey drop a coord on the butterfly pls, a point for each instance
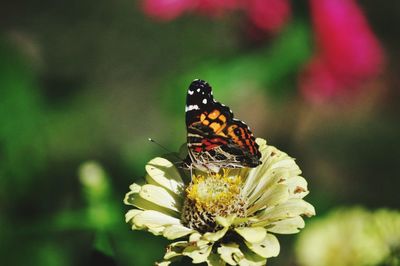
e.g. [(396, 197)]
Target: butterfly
[(215, 139)]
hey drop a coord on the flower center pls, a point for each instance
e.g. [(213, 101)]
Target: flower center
[(209, 196)]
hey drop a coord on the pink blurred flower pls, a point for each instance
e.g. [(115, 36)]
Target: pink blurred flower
[(216, 7), (166, 9), (349, 53), (268, 15), (317, 82)]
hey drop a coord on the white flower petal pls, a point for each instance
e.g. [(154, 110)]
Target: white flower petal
[(269, 178), (155, 230), (287, 226), (275, 195), (215, 236), (131, 214), (195, 237), (297, 187), (289, 209), (212, 237), (225, 221), (251, 258), (164, 173), (176, 231), (134, 198), (252, 234), (175, 249), (163, 263), (268, 247), (276, 167), (198, 254), (160, 196), (261, 142), (254, 174), (253, 261), (154, 219), (230, 253)]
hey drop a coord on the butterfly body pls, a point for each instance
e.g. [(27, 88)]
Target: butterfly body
[(215, 138)]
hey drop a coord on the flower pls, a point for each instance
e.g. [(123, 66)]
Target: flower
[(224, 218), (352, 237), (348, 51), (267, 15), (166, 9)]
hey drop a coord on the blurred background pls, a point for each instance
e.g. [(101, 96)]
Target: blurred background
[(83, 84)]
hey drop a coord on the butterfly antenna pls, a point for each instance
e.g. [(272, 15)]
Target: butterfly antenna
[(165, 149)]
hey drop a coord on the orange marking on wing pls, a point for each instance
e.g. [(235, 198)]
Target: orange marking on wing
[(222, 118), (215, 126), (231, 133), (202, 117), (221, 133), (206, 122), (214, 114), (242, 133)]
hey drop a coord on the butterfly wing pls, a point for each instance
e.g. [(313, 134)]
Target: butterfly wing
[(214, 136)]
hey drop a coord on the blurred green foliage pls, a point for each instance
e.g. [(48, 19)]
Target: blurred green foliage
[(21, 116)]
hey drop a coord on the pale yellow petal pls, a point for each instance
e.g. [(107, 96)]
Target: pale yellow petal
[(230, 253), (287, 226), (297, 187), (254, 175), (275, 195), (198, 254), (131, 214), (268, 247), (212, 237), (176, 231), (134, 198), (194, 237), (160, 196), (261, 143), (155, 230), (251, 258), (226, 221), (163, 263), (154, 219), (289, 209), (164, 173), (175, 249), (276, 167), (252, 234), (271, 177)]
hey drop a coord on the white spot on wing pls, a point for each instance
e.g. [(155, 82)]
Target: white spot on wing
[(190, 92), (204, 101), (192, 107), (198, 90)]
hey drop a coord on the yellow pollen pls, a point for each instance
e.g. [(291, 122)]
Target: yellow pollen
[(213, 192)]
